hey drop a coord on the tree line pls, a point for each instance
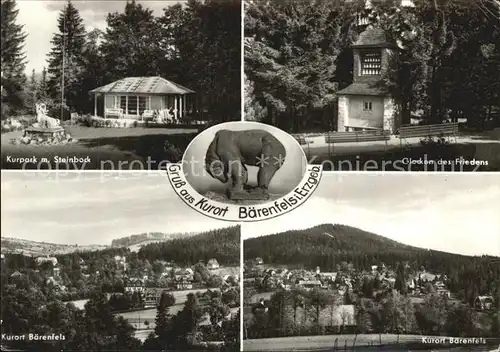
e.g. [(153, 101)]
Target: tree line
[(220, 244), (97, 328), (196, 44), (332, 247), (319, 312), (298, 55)]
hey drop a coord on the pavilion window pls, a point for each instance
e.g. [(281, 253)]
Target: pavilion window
[(371, 64), (132, 105), (123, 103), (143, 104)]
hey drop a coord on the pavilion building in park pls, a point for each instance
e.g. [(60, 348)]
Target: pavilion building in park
[(133, 97), (366, 104)]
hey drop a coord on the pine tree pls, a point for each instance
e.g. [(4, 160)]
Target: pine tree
[(43, 90), (295, 74), (65, 60), (232, 332), (162, 318), (125, 340), (185, 323), (13, 61), (400, 283), (131, 44), (93, 73), (32, 93), (407, 72)]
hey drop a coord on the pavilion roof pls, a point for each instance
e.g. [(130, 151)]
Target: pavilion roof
[(143, 85)]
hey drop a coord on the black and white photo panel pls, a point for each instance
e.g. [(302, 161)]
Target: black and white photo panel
[(378, 262), (94, 262), (115, 85), (404, 85)]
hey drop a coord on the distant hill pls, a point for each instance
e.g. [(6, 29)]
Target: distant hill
[(136, 241), (329, 245), (221, 244), (34, 248)]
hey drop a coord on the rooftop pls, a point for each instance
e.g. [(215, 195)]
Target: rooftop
[(363, 89), (143, 85), (372, 37)]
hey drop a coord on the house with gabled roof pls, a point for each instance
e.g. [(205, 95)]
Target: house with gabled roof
[(483, 302), (46, 259)]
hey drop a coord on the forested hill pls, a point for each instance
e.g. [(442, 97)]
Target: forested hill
[(328, 245), (221, 244)]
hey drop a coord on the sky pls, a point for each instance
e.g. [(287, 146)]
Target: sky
[(457, 213), (39, 18), (93, 207)]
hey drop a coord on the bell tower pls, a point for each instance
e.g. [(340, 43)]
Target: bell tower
[(366, 104)]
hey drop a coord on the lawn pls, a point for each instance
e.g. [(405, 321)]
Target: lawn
[(103, 148)]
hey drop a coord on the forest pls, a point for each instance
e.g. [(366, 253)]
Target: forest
[(332, 246), (221, 244), (298, 55), (197, 45)]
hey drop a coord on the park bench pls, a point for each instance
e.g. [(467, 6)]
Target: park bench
[(303, 142), (147, 115), (356, 136), (113, 112), (444, 129)]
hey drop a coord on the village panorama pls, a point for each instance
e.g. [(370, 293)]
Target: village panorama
[(150, 291), (336, 286)]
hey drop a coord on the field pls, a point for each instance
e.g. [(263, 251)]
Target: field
[(144, 330), (362, 342), (107, 148), (33, 248), (137, 318), (325, 341)]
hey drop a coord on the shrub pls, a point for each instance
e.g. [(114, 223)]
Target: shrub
[(172, 153), (432, 142)]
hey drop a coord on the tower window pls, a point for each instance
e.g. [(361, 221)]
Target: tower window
[(367, 106), (371, 64)]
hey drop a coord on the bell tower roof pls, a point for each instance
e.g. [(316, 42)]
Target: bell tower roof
[(372, 37)]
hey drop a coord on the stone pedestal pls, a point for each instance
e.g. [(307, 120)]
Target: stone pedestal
[(45, 136), (43, 132), (251, 194)]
